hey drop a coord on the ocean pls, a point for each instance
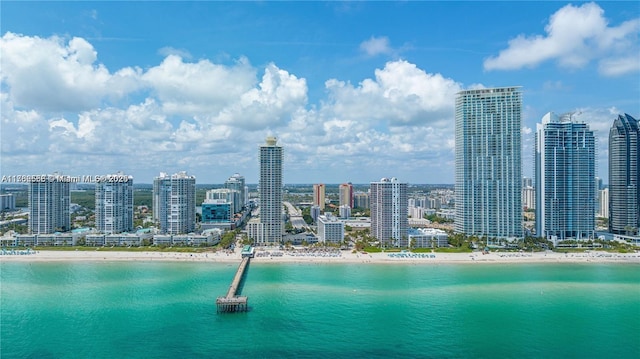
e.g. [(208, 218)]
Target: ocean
[(311, 310)]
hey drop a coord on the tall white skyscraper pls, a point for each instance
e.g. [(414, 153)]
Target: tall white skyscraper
[(565, 179), (236, 182), (389, 207), (488, 178), (114, 204), (270, 192), (174, 202), (49, 201), (603, 197)]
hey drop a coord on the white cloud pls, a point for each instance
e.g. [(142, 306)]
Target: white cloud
[(400, 94), (57, 75), (376, 46), (22, 132), (198, 88), (210, 118), (575, 36), (619, 66), (168, 50)]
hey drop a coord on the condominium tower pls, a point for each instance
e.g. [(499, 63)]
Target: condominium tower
[(7, 202), (236, 182), (488, 180), (319, 195), (174, 202), (345, 194), (565, 179), (270, 192), (389, 217), (114, 204), (49, 201), (230, 195), (624, 176)]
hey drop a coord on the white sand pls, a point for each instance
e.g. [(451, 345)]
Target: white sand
[(341, 257)]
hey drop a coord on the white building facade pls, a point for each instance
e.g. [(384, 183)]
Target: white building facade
[(174, 202), (237, 183), (49, 201), (488, 179), (330, 229), (389, 217), (114, 204)]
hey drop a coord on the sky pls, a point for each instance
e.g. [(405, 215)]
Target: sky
[(353, 91)]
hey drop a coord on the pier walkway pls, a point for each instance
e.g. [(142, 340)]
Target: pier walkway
[(231, 302)]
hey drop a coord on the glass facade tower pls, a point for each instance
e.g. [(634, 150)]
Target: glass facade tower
[(488, 162), (624, 176), (270, 192), (565, 179)]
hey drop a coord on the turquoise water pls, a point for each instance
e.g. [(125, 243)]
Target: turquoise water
[(167, 310)]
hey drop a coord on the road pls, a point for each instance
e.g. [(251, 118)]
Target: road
[(295, 216)]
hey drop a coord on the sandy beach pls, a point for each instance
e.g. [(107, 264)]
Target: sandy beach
[(279, 256)]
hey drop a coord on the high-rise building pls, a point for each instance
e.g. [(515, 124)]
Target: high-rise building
[(344, 211), (174, 202), (230, 195), (361, 200), (528, 197), (7, 202), (603, 197), (345, 194), (236, 182), (624, 176), (389, 206), (598, 187), (114, 204), (488, 180), (315, 213), (565, 179), (49, 201), (319, 195), (270, 192)]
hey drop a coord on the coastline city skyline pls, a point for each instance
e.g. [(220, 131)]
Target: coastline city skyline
[(347, 105), (375, 179)]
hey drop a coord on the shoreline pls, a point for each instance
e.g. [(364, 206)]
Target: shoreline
[(322, 258)]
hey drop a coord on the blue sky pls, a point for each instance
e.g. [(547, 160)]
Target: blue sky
[(354, 91)]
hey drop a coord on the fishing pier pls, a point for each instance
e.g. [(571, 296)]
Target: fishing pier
[(232, 302)]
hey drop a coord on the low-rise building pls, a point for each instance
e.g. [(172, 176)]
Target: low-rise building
[(330, 229), (426, 238)]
